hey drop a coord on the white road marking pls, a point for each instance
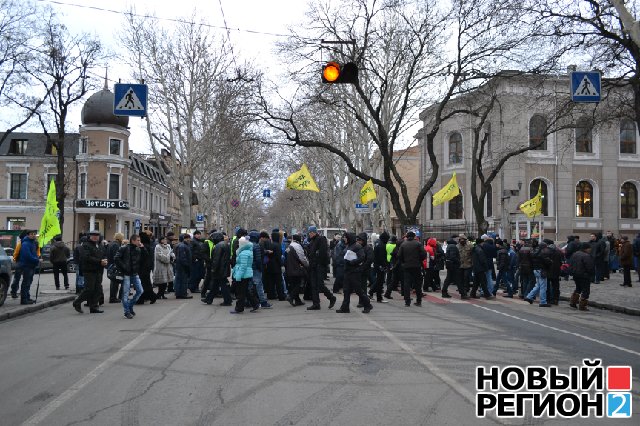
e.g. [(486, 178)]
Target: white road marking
[(434, 369), (52, 406), (582, 336)]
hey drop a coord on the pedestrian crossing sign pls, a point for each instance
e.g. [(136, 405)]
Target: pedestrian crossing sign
[(130, 99), (585, 86)]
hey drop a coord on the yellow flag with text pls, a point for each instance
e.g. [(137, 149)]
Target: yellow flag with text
[(533, 207), (50, 225), (367, 193), (302, 180), (449, 192)]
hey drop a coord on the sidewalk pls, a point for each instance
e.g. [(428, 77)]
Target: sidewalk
[(47, 296), (609, 294)]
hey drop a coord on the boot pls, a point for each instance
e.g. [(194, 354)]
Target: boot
[(573, 302), (161, 290), (446, 295), (583, 304), (170, 288)]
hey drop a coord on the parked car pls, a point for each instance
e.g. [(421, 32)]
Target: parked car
[(46, 264), (5, 275)]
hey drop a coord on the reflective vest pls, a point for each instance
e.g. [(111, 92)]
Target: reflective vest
[(390, 247)]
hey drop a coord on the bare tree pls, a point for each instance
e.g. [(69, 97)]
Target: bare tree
[(405, 64), (62, 64)]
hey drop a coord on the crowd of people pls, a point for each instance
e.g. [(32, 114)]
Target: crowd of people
[(253, 267)]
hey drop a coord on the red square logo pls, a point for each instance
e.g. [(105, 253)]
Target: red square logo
[(619, 378)]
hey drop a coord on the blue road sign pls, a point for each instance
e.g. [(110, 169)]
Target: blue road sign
[(266, 193), (130, 99), (137, 223), (585, 86), (199, 217)]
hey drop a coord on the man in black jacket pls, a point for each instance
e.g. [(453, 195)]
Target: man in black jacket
[(353, 260), (318, 263), (127, 260), (220, 259), (410, 256), (112, 250), (452, 263), (183, 267), (380, 265), (480, 267), (368, 259), (197, 262), (582, 268), (92, 260), (541, 265)]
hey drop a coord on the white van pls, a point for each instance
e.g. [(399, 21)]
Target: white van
[(330, 232)]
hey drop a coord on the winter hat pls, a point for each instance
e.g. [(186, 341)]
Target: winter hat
[(312, 229), (384, 237), (362, 237), (243, 241), (297, 237), (254, 236)]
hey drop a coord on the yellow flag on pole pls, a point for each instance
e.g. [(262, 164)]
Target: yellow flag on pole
[(533, 207), (50, 225), (302, 180), (449, 192), (367, 193)]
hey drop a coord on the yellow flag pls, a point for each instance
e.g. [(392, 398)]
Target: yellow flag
[(302, 180), (450, 191), (367, 193), (50, 225), (533, 207)]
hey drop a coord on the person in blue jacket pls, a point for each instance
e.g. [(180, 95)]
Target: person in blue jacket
[(27, 261), (243, 275)]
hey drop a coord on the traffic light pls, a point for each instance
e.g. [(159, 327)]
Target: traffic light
[(336, 73)]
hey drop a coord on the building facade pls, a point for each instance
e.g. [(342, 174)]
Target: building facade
[(586, 161), (108, 188)]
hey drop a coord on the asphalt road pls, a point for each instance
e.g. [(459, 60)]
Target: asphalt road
[(184, 363)]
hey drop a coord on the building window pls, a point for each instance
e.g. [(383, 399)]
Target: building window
[(18, 186), (18, 147), (146, 200), (533, 190), (584, 199), (133, 196), (627, 137), (114, 146), (83, 146), (455, 207), (584, 135), (537, 133), (628, 201), (114, 186), (455, 148), (51, 149), (82, 190), (489, 201)]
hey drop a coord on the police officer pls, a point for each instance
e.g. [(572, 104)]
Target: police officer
[(92, 261)]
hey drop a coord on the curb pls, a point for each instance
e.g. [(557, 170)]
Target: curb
[(609, 307), (36, 307)]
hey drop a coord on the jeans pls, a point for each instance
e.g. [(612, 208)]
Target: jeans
[(15, 284), (489, 278), (79, 281), (257, 282), (126, 286), (27, 279), (540, 287), (527, 279)]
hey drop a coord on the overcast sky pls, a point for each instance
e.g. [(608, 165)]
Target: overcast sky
[(242, 17)]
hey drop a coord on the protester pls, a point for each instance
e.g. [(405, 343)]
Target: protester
[(59, 256), (92, 261), (183, 267), (582, 268), (243, 276), (114, 284), (353, 259), (163, 266), (411, 254), (296, 267), (626, 260), (381, 265), (318, 256), (127, 260), (28, 260)]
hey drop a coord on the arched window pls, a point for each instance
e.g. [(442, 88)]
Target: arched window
[(584, 199), (455, 148), (584, 135), (533, 190), (537, 132), (455, 207), (627, 137), (489, 201), (628, 201)]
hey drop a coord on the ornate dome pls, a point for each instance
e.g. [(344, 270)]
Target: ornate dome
[(98, 109)]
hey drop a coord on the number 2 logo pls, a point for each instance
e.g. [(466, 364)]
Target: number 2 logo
[(619, 404)]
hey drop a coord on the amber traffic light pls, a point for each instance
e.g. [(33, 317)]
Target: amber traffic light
[(333, 72)]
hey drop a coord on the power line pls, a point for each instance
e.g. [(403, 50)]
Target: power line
[(177, 20), (224, 21)]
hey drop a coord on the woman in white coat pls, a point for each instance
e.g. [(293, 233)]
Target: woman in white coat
[(163, 272)]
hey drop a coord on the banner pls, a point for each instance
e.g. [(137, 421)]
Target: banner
[(367, 193), (50, 225), (449, 192), (302, 180), (533, 207)]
